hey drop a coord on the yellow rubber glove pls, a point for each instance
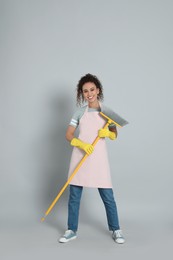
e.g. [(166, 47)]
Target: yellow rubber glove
[(106, 133), (88, 148)]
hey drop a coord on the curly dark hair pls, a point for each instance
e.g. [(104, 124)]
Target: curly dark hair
[(88, 78)]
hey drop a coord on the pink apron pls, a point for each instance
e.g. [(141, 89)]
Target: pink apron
[(95, 171)]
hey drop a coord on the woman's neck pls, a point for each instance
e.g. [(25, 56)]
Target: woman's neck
[(94, 104)]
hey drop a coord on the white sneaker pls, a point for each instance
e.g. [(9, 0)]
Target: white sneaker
[(118, 236), (69, 235)]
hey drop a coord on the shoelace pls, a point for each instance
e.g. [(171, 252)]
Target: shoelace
[(68, 233), (118, 233)]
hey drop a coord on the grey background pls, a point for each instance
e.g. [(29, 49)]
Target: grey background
[(46, 46)]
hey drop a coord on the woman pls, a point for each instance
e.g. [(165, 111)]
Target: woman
[(95, 172)]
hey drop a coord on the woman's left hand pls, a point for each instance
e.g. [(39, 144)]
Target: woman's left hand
[(106, 133)]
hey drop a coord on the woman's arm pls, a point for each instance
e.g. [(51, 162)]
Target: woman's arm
[(70, 133), (113, 129)]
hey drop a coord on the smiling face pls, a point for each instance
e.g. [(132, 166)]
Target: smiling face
[(89, 89), (90, 92)]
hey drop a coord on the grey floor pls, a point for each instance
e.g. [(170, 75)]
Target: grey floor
[(148, 235)]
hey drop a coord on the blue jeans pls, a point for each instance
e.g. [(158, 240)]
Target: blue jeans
[(108, 200)]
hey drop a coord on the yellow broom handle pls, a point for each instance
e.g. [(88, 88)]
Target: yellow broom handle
[(71, 176)]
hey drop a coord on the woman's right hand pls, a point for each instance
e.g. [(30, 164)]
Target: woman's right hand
[(88, 148)]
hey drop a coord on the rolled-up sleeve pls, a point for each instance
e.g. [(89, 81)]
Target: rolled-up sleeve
[(76, 117)]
